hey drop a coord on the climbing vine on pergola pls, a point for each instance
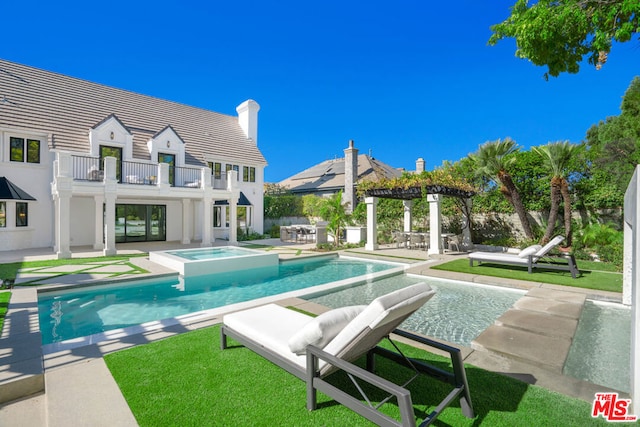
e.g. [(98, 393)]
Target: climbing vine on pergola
[(416, 186)]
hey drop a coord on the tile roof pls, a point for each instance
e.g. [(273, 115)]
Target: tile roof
[(68, 108), (329, 175)]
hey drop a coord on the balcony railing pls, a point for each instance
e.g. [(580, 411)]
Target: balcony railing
[(185, 176), (139, 173), (87, 168)]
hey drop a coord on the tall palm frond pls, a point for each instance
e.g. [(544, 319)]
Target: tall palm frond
[(557, 157), (493, 160)]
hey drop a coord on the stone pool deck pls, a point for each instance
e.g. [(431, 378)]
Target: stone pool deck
[(529, 342)]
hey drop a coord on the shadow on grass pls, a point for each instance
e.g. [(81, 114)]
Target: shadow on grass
[(490, 392), (588, 279), (189, 380)]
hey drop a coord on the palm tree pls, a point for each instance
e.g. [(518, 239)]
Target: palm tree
[(493, 160), (333, 211), (556, 156)]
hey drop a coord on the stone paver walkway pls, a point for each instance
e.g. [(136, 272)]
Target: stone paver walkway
[(79, 272)]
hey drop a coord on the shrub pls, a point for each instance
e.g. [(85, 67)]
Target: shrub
[(244, 235), (274, 231)]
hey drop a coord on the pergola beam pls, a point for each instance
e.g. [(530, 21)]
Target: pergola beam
[(431, 192)]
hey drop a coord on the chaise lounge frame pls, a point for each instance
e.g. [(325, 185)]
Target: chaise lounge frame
[(540, 259), (314, 376)]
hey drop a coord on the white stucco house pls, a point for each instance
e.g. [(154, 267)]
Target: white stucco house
[(86, 164)]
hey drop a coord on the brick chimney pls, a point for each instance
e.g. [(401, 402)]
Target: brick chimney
[(248, 119), (350, 177), (420, 165)]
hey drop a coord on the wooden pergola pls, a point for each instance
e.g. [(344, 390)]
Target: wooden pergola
[(407, 195)]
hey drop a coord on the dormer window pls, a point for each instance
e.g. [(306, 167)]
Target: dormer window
[(111, 132), (167, 142)]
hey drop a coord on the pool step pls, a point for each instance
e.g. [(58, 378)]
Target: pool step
[(538, 329)]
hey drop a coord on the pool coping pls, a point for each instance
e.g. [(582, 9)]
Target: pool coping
[(21, 358)]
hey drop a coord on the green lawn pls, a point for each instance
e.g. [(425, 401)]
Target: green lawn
[(599, 276), (4, 304), (187, 380)]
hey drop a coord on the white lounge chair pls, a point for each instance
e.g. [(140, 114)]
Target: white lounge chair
[(312, 348), (534, 256)]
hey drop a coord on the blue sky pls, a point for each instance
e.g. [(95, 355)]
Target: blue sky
[(403, 79)]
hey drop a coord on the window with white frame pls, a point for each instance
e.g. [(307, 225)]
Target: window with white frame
[(3, 214)]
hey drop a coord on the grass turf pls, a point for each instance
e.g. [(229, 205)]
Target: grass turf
[(589, 278), (4, 305), (9, 270), (187, 380)]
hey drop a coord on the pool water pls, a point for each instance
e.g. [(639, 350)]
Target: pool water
[(206, 261), (74, 313), (601, 348), (210, 253), (457, 313)]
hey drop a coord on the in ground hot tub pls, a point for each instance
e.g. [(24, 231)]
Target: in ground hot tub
[(201, 261)]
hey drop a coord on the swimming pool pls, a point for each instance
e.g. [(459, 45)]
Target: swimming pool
[(73, 313), (601, 349), (457, 313)]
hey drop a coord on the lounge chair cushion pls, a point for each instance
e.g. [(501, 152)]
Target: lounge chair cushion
[(322, 329), (552, 244), (382, 310), (530, 250)]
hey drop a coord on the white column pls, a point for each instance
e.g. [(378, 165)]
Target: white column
[(163, 176), (435, 237), (110, 196), (110, 225), (63, 218), (186, 221), (632, 279), (207, 221), (62, 190), (232, 187), (372, 224), (407, 204), (98, 236), (207, 207), (233, 220)]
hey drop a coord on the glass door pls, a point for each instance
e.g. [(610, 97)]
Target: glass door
[(156, 223), (141, 223), (136, 223)]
